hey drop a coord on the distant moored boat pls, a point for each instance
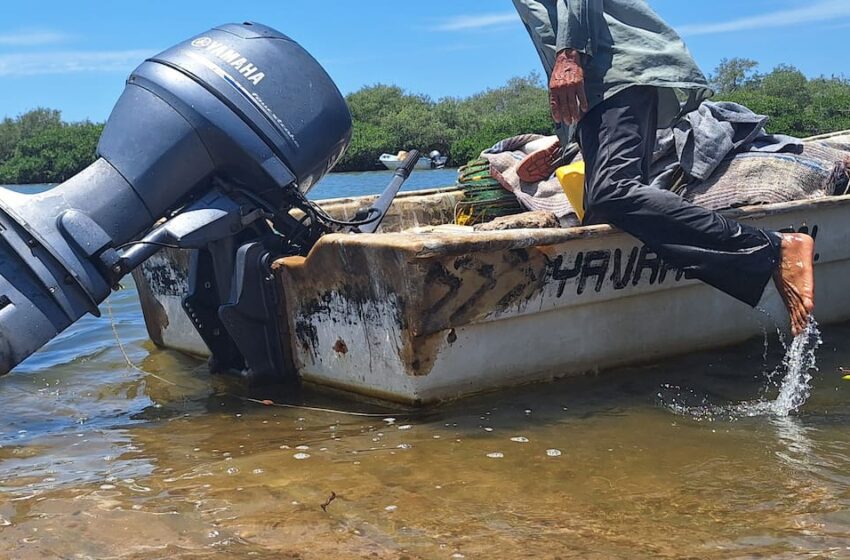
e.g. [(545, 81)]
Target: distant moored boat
[(434, 160)]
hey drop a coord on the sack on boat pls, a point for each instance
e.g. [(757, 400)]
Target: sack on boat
[(754, 178), (720, 156)]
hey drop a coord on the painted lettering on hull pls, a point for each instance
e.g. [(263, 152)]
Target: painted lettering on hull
[(615, 268), (621, 268)]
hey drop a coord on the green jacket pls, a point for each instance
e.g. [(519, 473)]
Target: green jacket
[(624, 44)]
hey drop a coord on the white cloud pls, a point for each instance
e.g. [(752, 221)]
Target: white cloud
[(480, 21), (32, 38), (821, 11), (68, 62)]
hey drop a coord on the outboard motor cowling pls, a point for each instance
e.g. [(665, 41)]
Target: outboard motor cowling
[(218, 135)]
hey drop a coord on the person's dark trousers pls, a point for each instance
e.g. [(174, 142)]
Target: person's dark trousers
[(617, 138)]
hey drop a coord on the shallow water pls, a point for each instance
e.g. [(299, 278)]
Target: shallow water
[(101, 460), (786, 389)]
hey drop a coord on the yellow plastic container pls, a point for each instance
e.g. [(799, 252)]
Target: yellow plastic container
[(571, 178)]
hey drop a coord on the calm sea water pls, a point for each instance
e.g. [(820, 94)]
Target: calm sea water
[(100, 459), (371, 182)]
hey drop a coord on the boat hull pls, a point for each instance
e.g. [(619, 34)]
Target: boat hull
[(419, 318)]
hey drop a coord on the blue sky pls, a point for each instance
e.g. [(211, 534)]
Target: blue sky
[(75, 55)]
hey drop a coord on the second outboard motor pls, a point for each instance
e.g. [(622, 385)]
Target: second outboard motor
[(220, 136)]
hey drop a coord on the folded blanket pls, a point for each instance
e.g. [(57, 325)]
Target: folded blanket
[(704, 138), (547, 195)]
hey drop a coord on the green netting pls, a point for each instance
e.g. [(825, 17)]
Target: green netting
[(488, 195), (483, 197), (482, 187)]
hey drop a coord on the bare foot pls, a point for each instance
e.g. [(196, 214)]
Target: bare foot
[(795, 278), (540, 165)]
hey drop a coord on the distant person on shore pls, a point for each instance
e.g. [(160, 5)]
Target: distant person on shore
[(615, 68)]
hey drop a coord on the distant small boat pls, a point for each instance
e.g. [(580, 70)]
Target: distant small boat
[(434, 160)]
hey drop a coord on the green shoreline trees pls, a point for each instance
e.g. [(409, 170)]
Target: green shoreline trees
[(38, 147), (796, 105), (387, 119)]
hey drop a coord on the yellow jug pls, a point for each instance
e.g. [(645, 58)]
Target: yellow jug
[(571, 178)]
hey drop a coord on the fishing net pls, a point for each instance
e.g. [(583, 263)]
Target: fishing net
[(483, 197)]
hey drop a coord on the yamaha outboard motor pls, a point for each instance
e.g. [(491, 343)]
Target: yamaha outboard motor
[(211, 145)]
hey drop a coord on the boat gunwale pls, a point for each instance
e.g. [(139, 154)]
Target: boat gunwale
[(403, 194), (424, 245)]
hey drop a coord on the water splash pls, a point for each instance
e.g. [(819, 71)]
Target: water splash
[(792, 378), (799, 363)]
